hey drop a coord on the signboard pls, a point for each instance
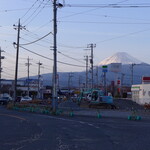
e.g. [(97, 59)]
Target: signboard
[(104, 68), (32, 82), (145, 79), (115, 67), (118, 82)]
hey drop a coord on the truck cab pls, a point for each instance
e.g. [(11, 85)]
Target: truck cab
[(97, 97)]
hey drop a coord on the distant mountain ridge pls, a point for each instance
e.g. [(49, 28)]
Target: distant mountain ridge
[(78, 78)]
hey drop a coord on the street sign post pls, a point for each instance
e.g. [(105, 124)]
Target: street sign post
[(104, 68)]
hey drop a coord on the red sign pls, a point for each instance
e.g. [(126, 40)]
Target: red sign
[(118, 82), (146, 79)]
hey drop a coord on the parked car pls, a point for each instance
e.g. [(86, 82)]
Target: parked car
[(5, 99), (26, 98)]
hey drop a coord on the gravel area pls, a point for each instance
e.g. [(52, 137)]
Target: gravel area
[(121, 104), (69, 104), (127, 104)]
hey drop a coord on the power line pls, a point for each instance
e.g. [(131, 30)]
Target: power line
[(83, 12), (35, 36), (51, 59), (34, 14), (48, 47), (59, 44), (37, 14), (132, 33), (47, 42), (36, 43), (106, 16), (116, 17), (110, 5), (106, 22), (8, 69), (9, 10), (36, 30), (70, 57), (37, 39), (8, 73), (68, 5), (29, 9)]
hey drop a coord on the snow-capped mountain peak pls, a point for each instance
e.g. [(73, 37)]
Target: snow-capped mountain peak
[(120, 57)]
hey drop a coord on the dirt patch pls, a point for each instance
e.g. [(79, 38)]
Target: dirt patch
[(127, 104)]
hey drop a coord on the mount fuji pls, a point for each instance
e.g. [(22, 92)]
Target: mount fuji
[(130, 67), (120, 57)]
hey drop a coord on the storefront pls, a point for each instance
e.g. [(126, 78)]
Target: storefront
[(141, 93)]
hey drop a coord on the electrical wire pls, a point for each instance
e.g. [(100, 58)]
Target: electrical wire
[(70, 57), (106, 22), (83, 12), (29, 9), (57, 51), (68, 46), (39, 28), (7, 76), (110, 5), (67, 5), (116, 17), (122, 36), (36, 43), (32, 15), (50, 58), (59, 44), (8, 69), (43, 65), (37, 39), (36, 14), (8, 73), (10, 10)]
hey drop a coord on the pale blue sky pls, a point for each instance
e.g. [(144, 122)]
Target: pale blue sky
[(111, 29)]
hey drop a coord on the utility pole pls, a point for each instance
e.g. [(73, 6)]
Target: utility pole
[(39, 66), (86, 82), (80, 82), (18, 28), (58, 80), (91, 46), (28, 65), (97, 76), (132, 65), (54, 95), (54, 101), (122, 79), (1, 57), (69, 80), (105, 87)]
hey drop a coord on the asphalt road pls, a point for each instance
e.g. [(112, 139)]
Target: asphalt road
[(28, 131)]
